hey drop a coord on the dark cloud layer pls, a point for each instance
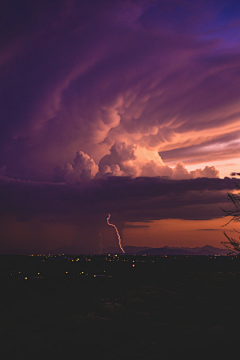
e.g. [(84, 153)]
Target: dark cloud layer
[(124, 196), (42, 208)]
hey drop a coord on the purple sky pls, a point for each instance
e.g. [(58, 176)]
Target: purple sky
[(122, 107)]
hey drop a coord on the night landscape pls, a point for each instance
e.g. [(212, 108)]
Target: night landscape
[(119, 179)]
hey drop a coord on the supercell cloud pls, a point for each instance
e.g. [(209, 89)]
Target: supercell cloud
[(85, 76), (97, 90)]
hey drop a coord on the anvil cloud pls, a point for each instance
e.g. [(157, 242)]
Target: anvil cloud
[(92, 90)]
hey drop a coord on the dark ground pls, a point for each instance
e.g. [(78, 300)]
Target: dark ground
[(162, 307)]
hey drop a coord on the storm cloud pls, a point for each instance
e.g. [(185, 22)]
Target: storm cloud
[(85, 76), (129, 107)]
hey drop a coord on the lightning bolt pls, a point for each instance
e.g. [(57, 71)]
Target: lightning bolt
[(119, 239)]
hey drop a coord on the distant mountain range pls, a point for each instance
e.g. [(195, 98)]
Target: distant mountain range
[(130, 250), (205, 250)]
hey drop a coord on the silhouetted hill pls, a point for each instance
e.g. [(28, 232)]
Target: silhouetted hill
[(135, 249), (129, 250), (205, 250), (14, 252), (166, 251), (68, 250)]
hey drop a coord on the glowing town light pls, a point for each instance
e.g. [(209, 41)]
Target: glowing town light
[(119, 239)]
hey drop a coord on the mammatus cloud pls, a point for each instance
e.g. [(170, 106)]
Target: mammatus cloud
[(88, 75)]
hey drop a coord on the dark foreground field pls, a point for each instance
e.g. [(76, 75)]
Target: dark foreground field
[(107, 307)]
